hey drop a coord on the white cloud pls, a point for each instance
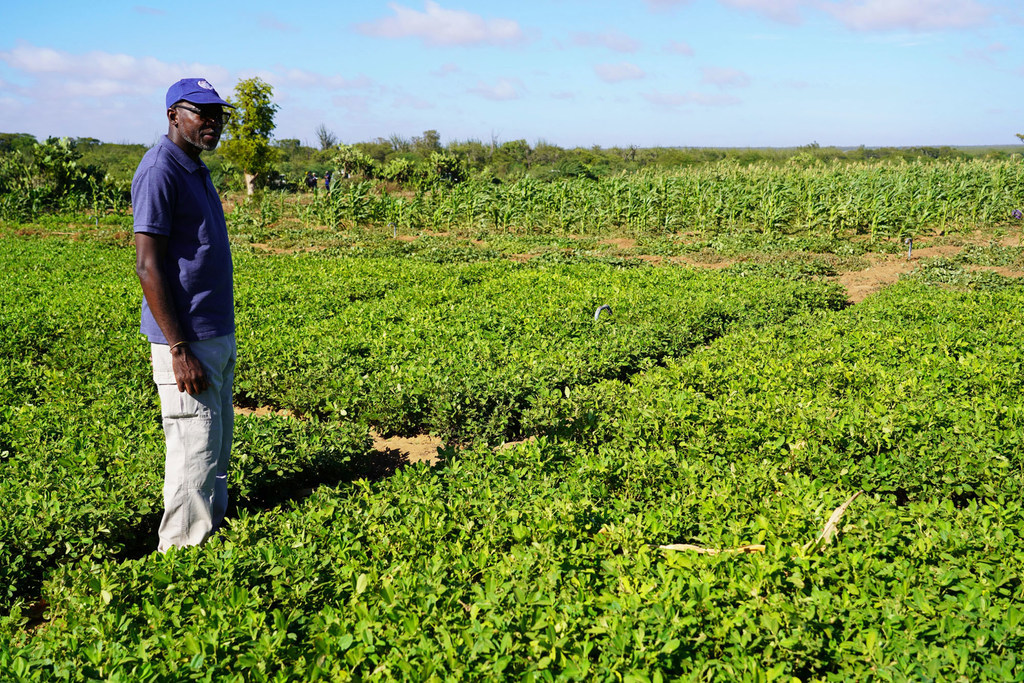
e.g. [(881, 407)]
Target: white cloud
[(917, 15), (439, 26), (283, 77), (662, 5), (784, 11), (986, 54), (676, 47), (612, 40), (60, 75), (674, 100), (57, 74), (275, 24), (112, 97), (616, 73), (407, 101), (354, 104), (724, 77), (447, 69), (505, 89), (119, 97), (874, 15)]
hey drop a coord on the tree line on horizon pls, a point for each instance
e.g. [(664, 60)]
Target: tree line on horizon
[(369, 159), (249, 158)]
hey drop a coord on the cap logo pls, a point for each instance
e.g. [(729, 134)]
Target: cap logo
[(204, 84)]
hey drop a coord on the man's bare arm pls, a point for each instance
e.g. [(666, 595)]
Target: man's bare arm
[(150, 251)]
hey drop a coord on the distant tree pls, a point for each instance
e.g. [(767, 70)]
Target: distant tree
[(475, 152), (446, 168), (326, 137), (353, 162), (247, 143), (398, 143), (545, 153), (378, 149), (57, 163), (517, 151), (1021, 136), (17, 142), (429, 142), (398, 170)]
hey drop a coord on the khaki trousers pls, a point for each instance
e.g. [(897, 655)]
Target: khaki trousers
[(198, 431)]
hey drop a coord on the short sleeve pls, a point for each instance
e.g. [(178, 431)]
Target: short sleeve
[(153, 200)]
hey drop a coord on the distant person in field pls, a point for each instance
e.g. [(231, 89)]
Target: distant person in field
[(310, 181), (327, 181), (183, 261)]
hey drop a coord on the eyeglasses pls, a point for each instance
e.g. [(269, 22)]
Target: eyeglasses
[(219, 115)]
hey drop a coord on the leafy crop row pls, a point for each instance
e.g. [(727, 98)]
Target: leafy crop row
[(81, 447), (910, 394), (885, 199), (521, 564), (465, 349), (538, 561), (541, 561), (405, 345), (51, 177)]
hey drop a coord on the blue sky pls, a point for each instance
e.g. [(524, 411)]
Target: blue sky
[(690, 73)]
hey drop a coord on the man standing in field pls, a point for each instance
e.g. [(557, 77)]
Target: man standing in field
[(183, 261)]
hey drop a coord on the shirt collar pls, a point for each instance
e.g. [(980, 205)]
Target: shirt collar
[(186, 162)]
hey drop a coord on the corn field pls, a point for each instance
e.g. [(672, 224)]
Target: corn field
[(885, 199)]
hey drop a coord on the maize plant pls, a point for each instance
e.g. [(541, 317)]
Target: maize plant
[(883, 199)]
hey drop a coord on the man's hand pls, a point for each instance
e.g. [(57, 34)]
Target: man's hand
[(188, 372)]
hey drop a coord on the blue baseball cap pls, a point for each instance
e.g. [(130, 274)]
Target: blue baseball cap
[(196, 91)]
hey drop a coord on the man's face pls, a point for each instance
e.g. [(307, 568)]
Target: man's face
[(200, 124)]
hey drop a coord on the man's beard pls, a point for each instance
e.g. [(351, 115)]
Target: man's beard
[(198, 142)]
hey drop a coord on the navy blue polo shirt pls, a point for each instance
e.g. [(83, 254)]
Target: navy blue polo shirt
[(173, 196)]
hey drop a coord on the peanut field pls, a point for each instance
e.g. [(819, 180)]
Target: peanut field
[(732, 472)]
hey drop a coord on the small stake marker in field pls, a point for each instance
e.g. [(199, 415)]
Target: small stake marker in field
[(394, 230), (910, 246), (603, 307), (826, 535), (831, 526), (752, 548)]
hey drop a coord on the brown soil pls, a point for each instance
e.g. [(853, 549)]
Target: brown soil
[(512, 444), (271, 249), (886, 269), (998, 270), (395, 449), (620, 242), (698, 263), (422, 448), (859, 284), (402, 449), (262, 411)]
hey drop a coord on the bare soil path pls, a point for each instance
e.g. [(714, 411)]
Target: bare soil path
[(400, 449)]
